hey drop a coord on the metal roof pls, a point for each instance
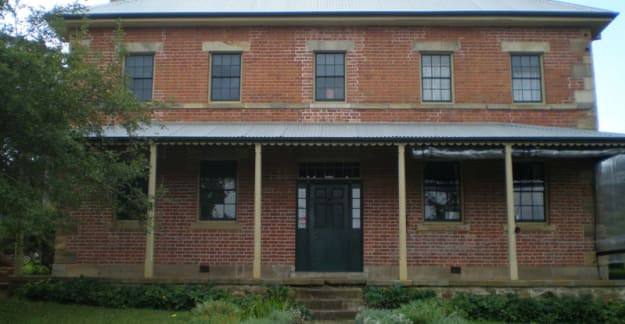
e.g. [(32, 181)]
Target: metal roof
[(144, 8), (361, 132)]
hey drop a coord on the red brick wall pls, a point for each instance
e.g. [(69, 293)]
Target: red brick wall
[(381, 69), (484, 244)]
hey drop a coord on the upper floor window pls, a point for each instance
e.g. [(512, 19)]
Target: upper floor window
[(436, 77), (442, 191), (218, 190), (526, 78), (139, 69), (529, 192), (226, 77), (330, 76)]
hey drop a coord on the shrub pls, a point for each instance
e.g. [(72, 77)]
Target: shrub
[(394, 296), (216, 312), (381, 316), (549, 309), (275, 317), (274, 300), (431, 311), (87, 291)]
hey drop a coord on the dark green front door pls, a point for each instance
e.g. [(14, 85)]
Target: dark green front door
[(331, 240)]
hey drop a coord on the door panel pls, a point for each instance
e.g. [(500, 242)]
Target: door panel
[(329, 243)]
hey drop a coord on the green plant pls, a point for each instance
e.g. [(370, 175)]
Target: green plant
[(275, 317), (301, 314), (33, 268), (277, 292), (263, 307), (394, 296), (431, 311), (88, 291), (381, 316), (216, 312), (548, 309)]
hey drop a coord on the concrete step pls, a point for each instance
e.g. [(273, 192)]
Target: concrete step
[(330, 304), (328, 293)]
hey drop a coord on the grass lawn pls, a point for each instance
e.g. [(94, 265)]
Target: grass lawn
[(22, 311)]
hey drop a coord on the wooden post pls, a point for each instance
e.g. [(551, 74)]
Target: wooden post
[(257, 210), (148, 270), (512, 258), (401, 174)]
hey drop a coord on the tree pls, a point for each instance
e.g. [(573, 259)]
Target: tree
[(52, 104)]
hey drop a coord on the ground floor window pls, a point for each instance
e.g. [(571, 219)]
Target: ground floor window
[(218, 190), (529, 192), (441, 191)]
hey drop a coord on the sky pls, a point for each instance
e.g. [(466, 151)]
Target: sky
[(607, 56)]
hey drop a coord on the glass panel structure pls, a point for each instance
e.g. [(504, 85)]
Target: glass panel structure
[(442, 191), (218, 190), (436, 77), (330, 77), (139, 71), (226, 77), (526, 78), (529, 192)]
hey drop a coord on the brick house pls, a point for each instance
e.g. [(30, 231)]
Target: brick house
[(394, 140)]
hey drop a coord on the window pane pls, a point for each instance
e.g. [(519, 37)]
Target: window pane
[(217, 190), (139, 70), (436, 77), (230, 211), (442, 191), (526, 78), (225, 77), (355, 203), (230, 197), (330, 77), (529, 191)]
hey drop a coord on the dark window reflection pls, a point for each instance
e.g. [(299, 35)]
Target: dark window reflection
[(218, 190), (529, 192), (442, 191)]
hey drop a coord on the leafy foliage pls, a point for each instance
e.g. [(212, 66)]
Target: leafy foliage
[(381, 316), (216, 312), (549, 309), (394, 296), (275, 299), (209, 304), (87, 291), (51, 101), (431, 311)]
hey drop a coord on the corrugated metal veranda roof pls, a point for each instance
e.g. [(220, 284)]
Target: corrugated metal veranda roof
[(362, 132)]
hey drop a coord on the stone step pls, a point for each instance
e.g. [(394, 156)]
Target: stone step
[(328, 293), (332, 304), (333, 315)]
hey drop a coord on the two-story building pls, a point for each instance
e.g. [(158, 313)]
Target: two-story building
[(384, 140)]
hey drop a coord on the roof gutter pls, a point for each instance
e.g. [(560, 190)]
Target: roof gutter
[(276, 14), (595, 21)]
